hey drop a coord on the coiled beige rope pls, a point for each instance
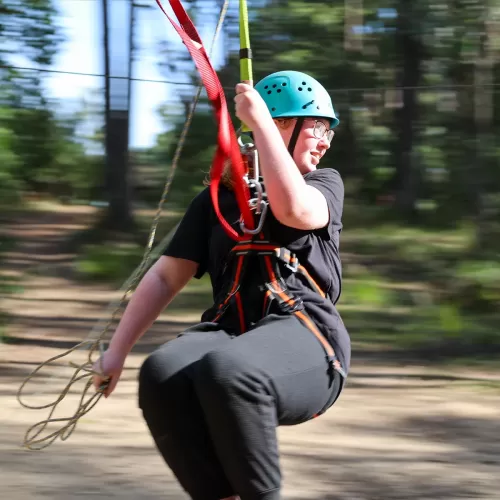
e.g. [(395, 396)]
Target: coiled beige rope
[(33, 439)]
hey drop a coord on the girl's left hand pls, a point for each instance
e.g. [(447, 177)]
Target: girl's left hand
[(250, 107)]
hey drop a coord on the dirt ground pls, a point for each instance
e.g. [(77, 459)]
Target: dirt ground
[(398, 431)]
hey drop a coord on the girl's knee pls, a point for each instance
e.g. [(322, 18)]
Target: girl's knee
[(221, 366), (157, 376), (227, 370), (148, 379), (164, 375)]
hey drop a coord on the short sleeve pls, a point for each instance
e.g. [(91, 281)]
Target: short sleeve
[(191, 239), (329, 182)]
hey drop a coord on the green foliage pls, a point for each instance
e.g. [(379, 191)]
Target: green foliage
[(416, 291), (28, 27), (109, 262), (40, 153), (197, 154), (9, 163), (367, 291), (37, 151), (421, 164), (479, 283)]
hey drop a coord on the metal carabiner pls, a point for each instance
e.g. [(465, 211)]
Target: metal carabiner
[(262, 218), (259, 204), (256, 203)]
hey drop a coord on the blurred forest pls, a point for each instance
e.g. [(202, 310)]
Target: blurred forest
[(416, 86)]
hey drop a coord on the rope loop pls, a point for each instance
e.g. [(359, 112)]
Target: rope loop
[(33, 439)]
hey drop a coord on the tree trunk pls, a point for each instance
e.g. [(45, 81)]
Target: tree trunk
[(485, 141), (117, 183), (407, 171)]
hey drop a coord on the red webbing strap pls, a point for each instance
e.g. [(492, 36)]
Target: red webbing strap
[(228, 148)]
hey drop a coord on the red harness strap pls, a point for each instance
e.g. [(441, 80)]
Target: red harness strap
[(228, 148)]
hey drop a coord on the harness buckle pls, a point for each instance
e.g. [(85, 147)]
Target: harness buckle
[(289, 304), (289, 259), (293, 267)]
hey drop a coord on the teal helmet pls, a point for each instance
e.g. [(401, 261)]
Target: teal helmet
[(291, 94)]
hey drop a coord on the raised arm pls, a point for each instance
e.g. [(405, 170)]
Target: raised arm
[(292, 201)]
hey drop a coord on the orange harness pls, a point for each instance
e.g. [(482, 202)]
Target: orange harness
[(275, 288)]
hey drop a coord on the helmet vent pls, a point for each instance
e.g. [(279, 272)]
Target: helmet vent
[(309, 89), (279, 90), (284, 84), (300, 89), (304, 83)]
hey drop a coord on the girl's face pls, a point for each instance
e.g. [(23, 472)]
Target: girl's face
[(313, 141)]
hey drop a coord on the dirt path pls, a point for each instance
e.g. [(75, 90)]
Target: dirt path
[(397, 432)]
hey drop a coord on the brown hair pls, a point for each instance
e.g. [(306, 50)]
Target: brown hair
[(226, 178)]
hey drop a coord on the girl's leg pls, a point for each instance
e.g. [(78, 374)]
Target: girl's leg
[(173, 414), (275, 374)]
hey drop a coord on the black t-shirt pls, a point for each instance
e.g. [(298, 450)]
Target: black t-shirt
[(201, 238)]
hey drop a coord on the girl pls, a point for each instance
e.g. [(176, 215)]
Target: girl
[(273, 349)]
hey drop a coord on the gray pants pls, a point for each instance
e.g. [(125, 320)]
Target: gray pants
[(212, 402)]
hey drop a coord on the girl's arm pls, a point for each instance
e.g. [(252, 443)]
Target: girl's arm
[(293, 202), (157, 289)]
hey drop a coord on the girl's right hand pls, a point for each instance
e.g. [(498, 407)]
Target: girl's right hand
[(108, 369)]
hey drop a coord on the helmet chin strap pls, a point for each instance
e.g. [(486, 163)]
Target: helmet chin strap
[(295, 135)]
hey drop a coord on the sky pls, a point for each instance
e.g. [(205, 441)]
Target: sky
[(81, 23)]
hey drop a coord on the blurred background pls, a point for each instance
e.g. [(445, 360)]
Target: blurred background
[(93, 99)]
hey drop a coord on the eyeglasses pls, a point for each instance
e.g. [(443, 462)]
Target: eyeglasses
[(320, 129)]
